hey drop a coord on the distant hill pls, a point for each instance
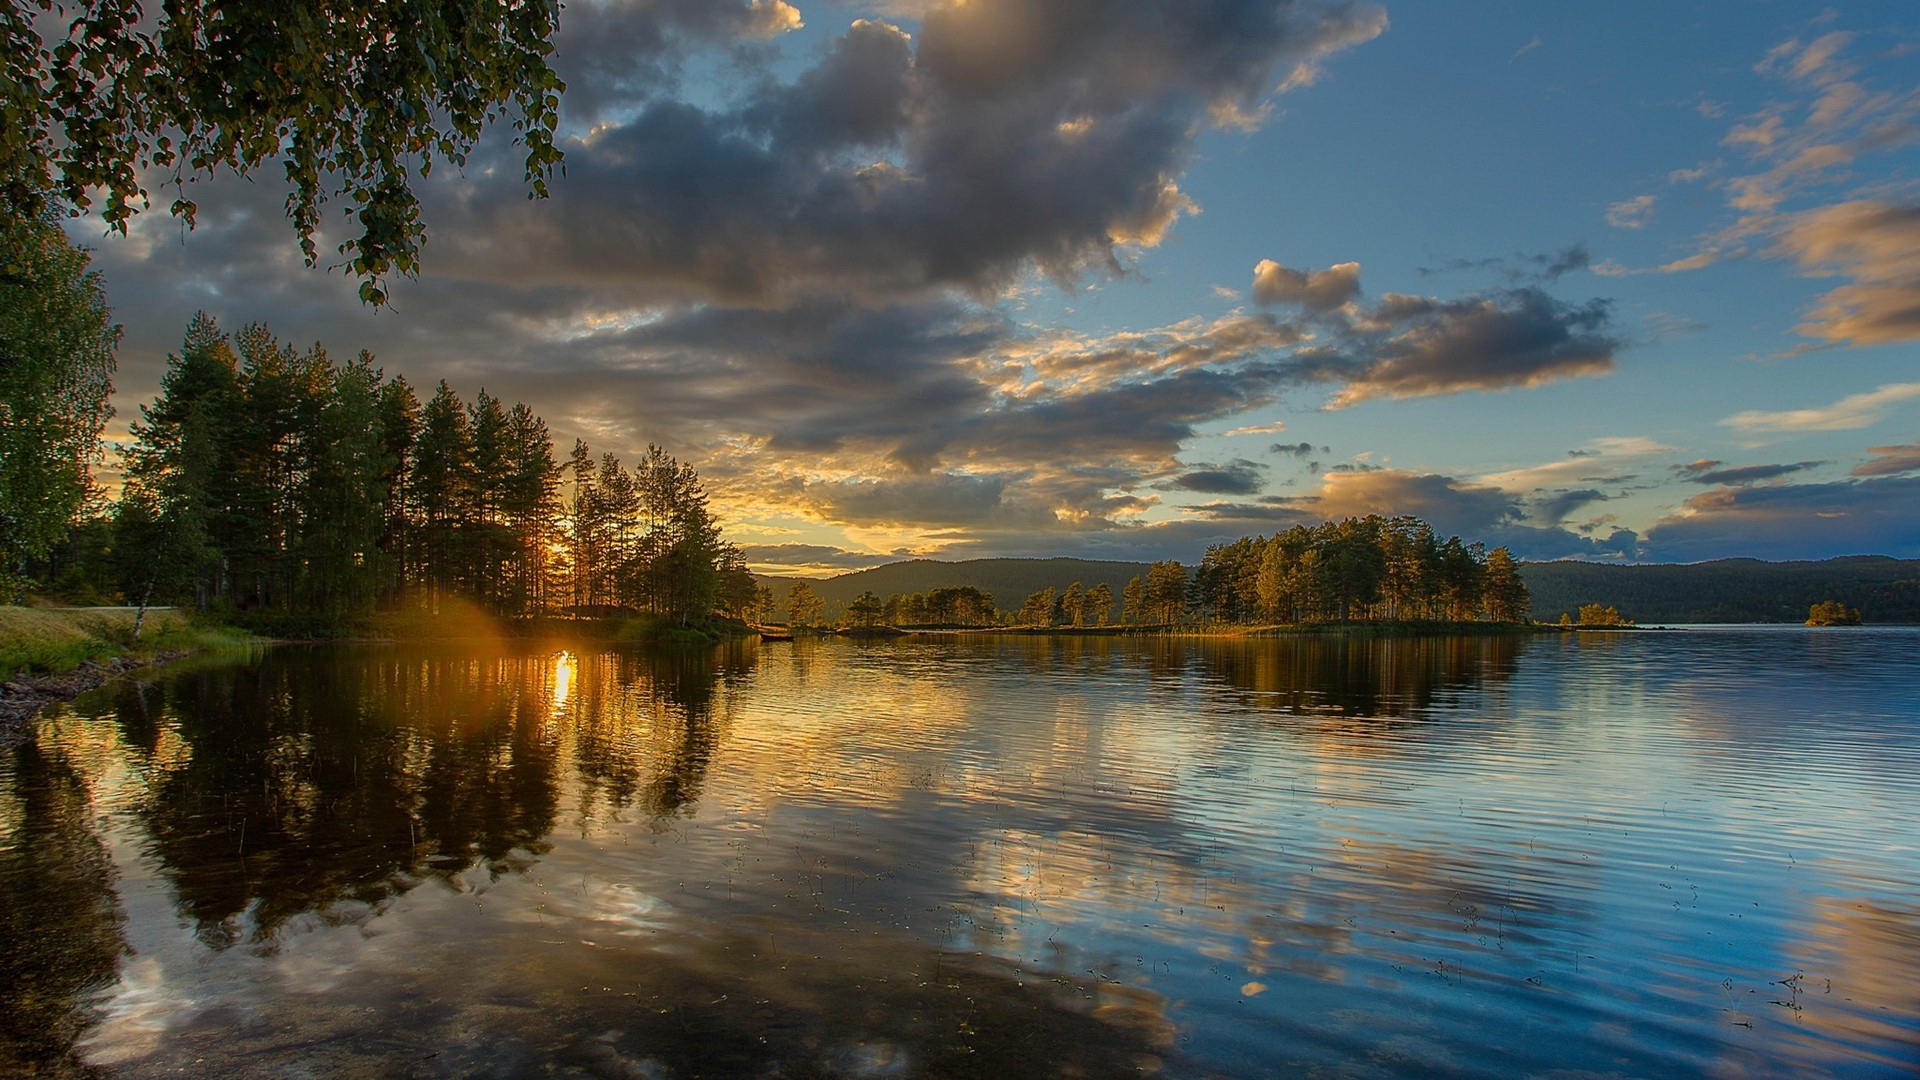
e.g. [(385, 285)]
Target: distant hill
[(1008, 581), (1885, 590)]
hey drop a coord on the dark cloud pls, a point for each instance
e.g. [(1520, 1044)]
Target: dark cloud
[(614, 55), (1298, 450), (1692, 468), (1238, 477), (1890, 460), (1521, 268), (813, 555), (1449, 504), (1414, 346), (1558, 506), (790, 281), (1003, 135), (1745, 474), (1875, 516)]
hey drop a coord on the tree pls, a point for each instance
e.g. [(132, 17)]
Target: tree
[(1507, 599), (180, 473), (1133, 601), (56, 370), (1073, 605), (1599, 615), (803, 606), (349, 100), (441, 490), (1832, 613), (1099, 604), (865, 610), (1039, 608), (1165, 592), (343, 501), (762, 611)]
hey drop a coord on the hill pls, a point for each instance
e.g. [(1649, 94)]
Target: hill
[(1886, 590)]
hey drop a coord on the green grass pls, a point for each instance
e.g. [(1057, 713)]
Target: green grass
[(50, 641)]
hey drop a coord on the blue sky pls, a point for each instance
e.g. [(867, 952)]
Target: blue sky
[(1630, 282)]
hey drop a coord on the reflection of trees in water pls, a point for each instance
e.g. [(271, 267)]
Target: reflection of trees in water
[(315, 778), (645, 725), (1391, 677), (60, 920)]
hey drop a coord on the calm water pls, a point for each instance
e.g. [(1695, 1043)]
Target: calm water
[(1688, 853)]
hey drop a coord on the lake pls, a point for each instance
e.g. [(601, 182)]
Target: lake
[(1693, 852)]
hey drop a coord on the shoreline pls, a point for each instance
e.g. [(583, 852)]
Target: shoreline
[(23, 697)]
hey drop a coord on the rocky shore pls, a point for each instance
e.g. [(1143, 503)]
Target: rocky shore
[(23, 698)]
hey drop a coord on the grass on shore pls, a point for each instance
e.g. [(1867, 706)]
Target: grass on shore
[(52, 641)]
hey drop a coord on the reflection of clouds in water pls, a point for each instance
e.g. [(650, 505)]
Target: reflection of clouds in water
[(1079, 845), (141, 1014), (1855, 983), (632, 912)]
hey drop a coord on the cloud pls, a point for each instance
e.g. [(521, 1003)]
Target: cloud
[(1315, 290), (1453, 506), (1745, 474), (1599, 461), (1001, 136), (1854, 411), (1532, 44), (783, 557), (1523, 337), (1556, 507), (1803, 148), (1877, 244), (1890, 460), (613, 56), (1632, 213), (1298, 450), (1258, 429), (1237, 477), (1538, 267), (1449, 504), (1879, 516)]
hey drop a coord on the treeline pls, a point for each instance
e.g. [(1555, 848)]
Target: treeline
[(277, 483), (1370, 568), (1882, 589), (1359, 569)]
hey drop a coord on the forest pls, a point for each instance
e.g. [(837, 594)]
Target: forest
[(1370, 569), (290, 491)]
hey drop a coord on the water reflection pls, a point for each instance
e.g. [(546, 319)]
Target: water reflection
[(328, 776), (1363, 677), (60, 922), (982, 856)]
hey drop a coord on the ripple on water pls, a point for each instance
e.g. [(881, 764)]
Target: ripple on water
[(1636, 854)]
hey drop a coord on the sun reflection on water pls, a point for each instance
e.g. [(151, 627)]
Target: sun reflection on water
[(564, 666)]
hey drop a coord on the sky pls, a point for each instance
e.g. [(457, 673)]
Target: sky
[(1633, 282)]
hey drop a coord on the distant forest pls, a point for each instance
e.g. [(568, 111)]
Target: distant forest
[(1357, 569), (1885, 590), (279, 486)]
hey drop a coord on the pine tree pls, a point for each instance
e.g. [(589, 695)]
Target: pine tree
[(1506, 596), (179, 474), (439, 489)]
